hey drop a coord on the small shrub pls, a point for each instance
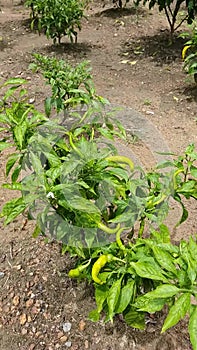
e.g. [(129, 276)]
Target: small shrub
[(57, 18), (71, 86)]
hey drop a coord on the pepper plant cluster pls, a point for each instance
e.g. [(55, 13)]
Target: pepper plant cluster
[(105, 211)]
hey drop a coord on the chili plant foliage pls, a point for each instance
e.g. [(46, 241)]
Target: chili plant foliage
[(189, 52), (110, 215), (70, 85), (172, 10), (57, 17)]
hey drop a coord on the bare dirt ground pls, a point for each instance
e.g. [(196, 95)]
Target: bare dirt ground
[(36, 297)]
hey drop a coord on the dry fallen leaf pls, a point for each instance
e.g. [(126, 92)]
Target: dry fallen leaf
[(63, 339), (16, 300), (132, 63), (29, 303), (82, 325), (124, 61), (23, 319)]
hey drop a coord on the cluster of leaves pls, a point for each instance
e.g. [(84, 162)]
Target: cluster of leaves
[(189, 53), (172, 10), (149, 274), (70, 85), (19, 121), (57, 17), (79, 191)]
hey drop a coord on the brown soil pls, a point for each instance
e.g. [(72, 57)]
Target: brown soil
[(37, 298)]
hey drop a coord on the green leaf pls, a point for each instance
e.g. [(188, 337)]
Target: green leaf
[(135, 319), (165, 233), (112, 298), (192, 248), (193, 327), (4, 145), (11, 161), (101, 294), (82, 204), (177, 311), (144, 303), (193, 171), (163, 291), (164, 259), (16, 186), (16, 173), (147, 269), (36, 232), (126, 295), (15, 81), (47, 106), (94, 316), (54, 160), (12, 209)]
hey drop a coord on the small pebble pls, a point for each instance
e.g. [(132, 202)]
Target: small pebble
[(66, 327), (2, 274), (68, 344)]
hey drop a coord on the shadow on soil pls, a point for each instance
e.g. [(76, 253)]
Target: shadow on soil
[(116, 13), (75, 49), (158, 47), (190, 92)]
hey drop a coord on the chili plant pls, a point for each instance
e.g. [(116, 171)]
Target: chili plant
[(189, 52), (71, 86), (57, 17), (110, 215)]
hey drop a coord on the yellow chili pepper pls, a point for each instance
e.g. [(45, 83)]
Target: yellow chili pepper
[(98, 265), (74, 273)]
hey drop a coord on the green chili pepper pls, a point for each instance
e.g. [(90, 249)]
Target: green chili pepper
[(121, 159), (108, 230), (98, 265), (74, 273), (118, 239), (73, 145)]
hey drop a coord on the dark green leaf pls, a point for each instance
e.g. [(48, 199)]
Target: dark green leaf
[(11, 161), (193, 327), (112, 298), (151, 305), (101, 293), (82, 204), (135, 319), (164, 259), (16, 173), (126, 295), (147, 269), (177, 311)]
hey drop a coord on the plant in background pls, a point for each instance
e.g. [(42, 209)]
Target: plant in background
[(172, 8), (189, 52), (71, 86), (57, 18)]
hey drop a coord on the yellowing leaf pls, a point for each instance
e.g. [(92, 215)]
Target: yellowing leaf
[(175, 98), (132, 63), (124, 61)]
